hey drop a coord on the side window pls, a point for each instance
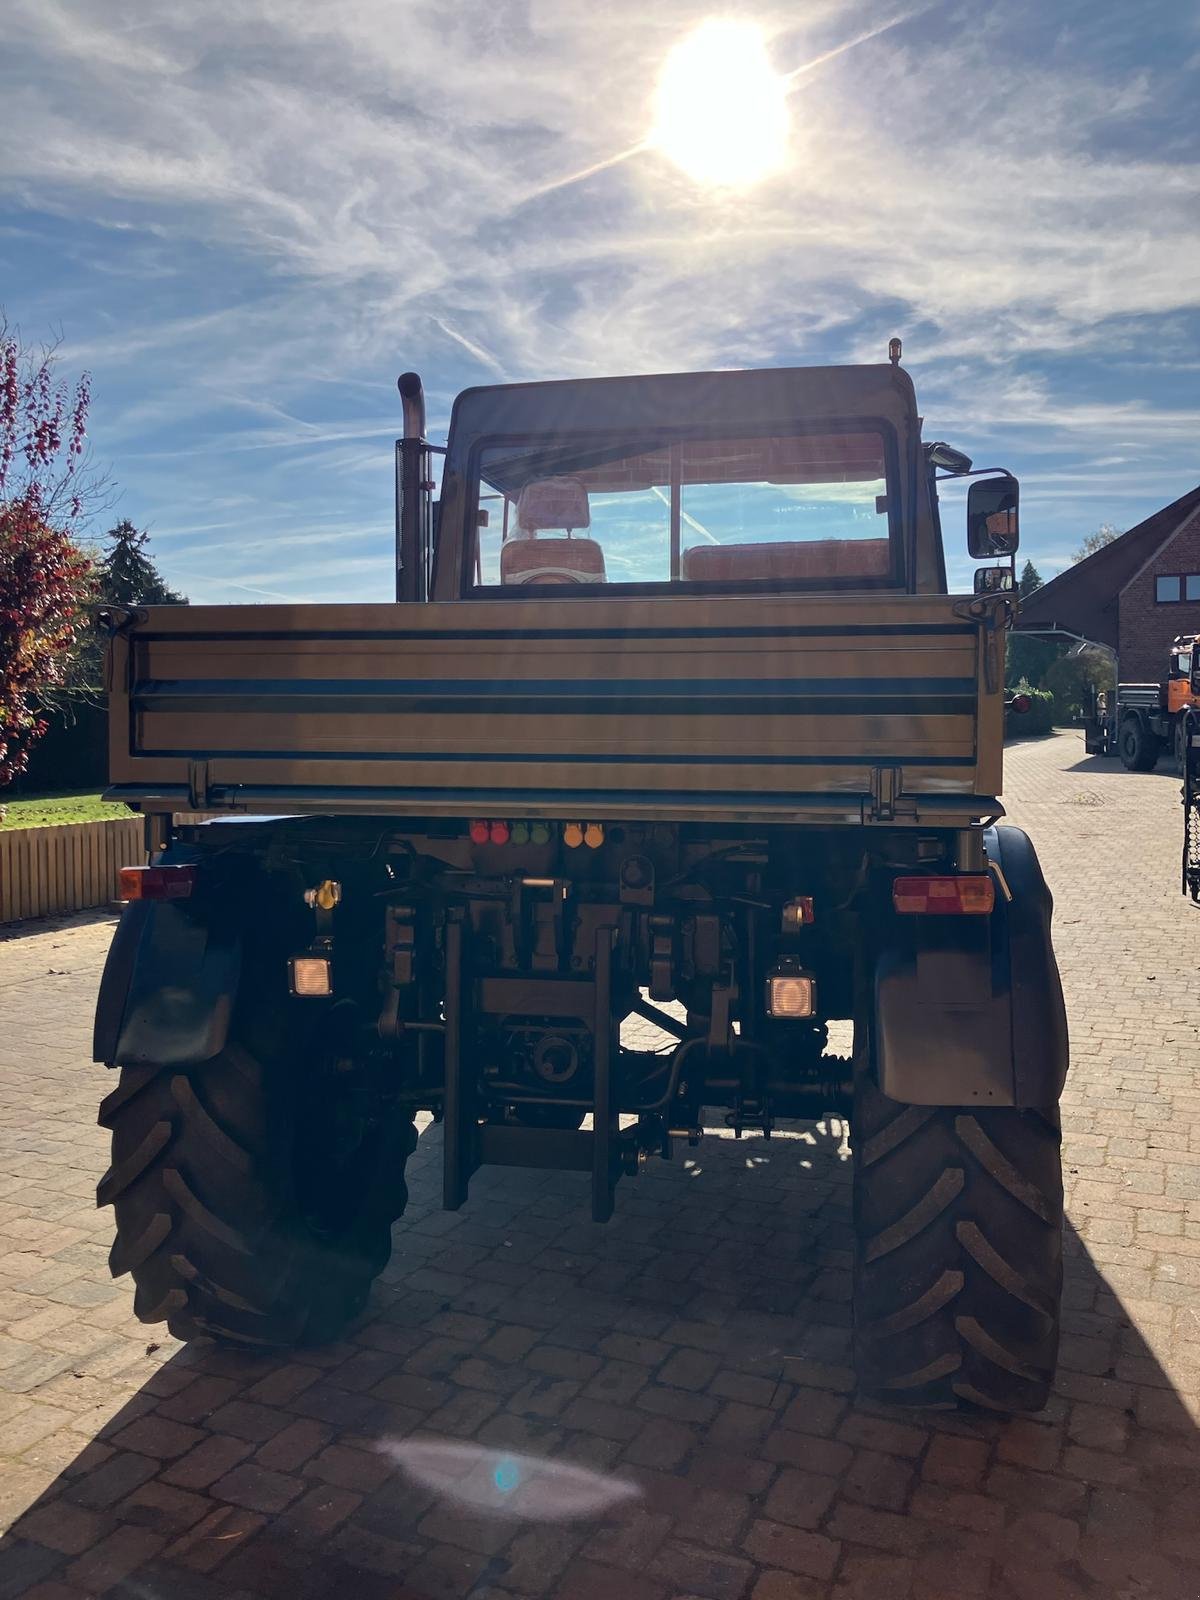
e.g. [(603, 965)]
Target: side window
[(1191, 586), (1167, 589)]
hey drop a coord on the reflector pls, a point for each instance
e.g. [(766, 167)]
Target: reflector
[(946, 896)]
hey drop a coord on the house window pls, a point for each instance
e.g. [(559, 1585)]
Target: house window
[(1177, 586)]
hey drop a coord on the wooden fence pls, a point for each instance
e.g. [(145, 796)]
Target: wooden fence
[(67, 867)]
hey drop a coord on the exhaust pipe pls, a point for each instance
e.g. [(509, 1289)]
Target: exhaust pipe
[(412, 497), (412, 400)]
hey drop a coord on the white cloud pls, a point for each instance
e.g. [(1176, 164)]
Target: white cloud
[(392, 175)]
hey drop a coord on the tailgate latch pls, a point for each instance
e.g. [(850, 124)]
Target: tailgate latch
[(886, 784)]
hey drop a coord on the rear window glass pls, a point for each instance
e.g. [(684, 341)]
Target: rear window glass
[(802, 510)]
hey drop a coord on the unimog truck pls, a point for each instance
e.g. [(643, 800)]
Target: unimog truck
[(673, 719)]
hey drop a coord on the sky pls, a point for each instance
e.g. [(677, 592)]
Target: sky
[(246, 217)]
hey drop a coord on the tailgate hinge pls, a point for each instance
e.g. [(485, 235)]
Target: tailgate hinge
[(197, 781), (886, 783)]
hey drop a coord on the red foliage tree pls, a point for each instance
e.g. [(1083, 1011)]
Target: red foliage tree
[(44, 576)]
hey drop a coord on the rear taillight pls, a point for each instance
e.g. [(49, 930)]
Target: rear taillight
[(966, 895), (155, 883)]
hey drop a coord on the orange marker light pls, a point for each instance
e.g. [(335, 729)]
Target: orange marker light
[(573, 835), (798, 913)]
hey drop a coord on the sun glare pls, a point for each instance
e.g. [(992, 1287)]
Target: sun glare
[(721, 110)]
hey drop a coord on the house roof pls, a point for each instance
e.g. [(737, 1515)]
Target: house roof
[(1083, 599)]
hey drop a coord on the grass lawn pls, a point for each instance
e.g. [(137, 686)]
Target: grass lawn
[(72, 805)]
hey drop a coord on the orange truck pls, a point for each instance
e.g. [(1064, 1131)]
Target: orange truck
[(1148, 718)]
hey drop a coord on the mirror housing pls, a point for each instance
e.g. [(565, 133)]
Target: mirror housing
[(993, 580), (992, 519)]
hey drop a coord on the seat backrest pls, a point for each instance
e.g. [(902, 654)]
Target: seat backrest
[(540, 560), (801, 559)]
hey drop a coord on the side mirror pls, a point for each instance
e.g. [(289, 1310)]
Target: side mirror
[(992, 525), (993, 580)]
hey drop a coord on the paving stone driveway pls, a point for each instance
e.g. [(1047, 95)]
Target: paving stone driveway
[(691, 1357)]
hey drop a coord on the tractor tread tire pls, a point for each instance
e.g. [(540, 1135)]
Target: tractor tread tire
[(208, 1220), (958, 1274)]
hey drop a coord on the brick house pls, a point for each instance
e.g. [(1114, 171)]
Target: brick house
[(1135, 595)]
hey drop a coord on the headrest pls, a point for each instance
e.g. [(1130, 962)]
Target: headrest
[(553, 503)]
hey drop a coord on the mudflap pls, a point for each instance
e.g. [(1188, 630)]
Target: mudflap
[(168, 989), (969, 1010)]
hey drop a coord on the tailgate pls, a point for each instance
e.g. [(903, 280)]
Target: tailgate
[(717, 708)]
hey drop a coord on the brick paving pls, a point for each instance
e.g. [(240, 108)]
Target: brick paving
[(690, 1360)]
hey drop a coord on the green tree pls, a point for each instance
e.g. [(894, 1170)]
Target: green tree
[(127, 575), (123, 574), (1073, 681), (1029, 659), (1104, 534), (1031, 579)]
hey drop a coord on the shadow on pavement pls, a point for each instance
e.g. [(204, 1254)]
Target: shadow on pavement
[(653, 1409), (1113, 764)]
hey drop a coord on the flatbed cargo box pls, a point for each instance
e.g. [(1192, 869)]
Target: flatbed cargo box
[(836, 708)]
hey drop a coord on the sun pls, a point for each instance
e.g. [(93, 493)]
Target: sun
[(721, 110)]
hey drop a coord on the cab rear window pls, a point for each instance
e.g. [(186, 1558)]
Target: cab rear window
[(797, 510)]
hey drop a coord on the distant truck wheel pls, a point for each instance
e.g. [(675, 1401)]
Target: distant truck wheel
[(243, 1210), (1137, 746), (958, 1274)]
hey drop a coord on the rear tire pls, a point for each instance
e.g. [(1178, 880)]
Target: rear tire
[(958, 1271), (1137, 746), (237, 1214)]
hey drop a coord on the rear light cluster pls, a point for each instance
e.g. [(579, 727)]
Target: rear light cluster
[(155, 883), (574, 834), (958, 896)]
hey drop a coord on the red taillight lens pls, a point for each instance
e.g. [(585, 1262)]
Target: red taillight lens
[(499, 832), (479, 832), (955, 897), (1020, 703), (155, 883)]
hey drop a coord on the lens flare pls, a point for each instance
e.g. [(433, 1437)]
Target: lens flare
[(721, 109), (504, 1483)]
